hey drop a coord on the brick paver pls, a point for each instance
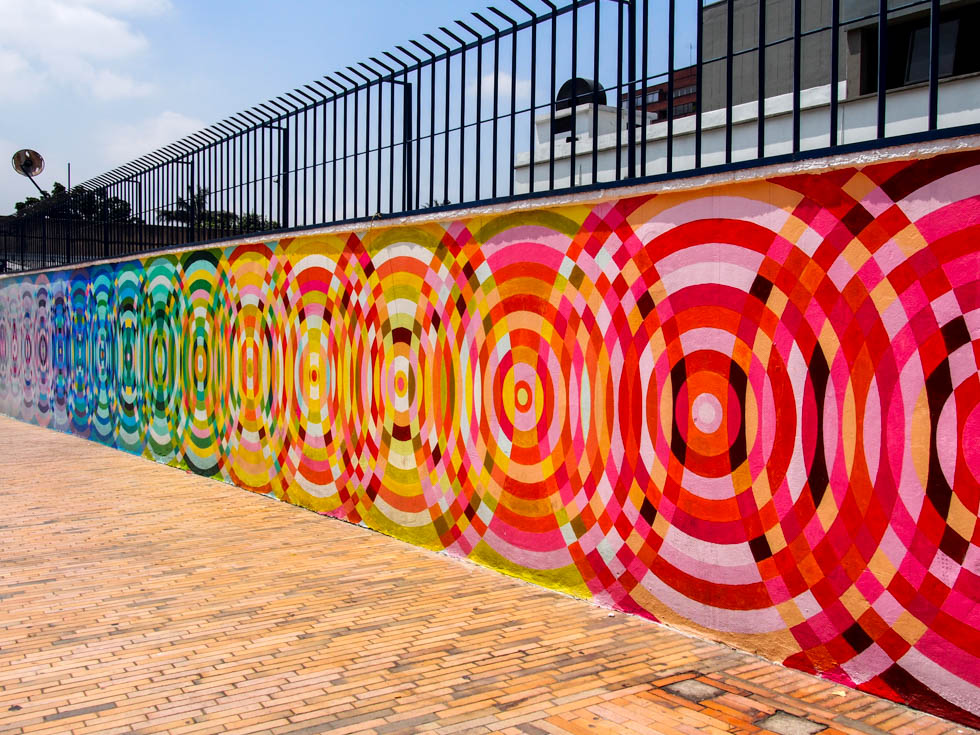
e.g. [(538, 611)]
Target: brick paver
[(139, 598)]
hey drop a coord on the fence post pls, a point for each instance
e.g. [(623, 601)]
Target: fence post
[(192, 198), (406, 147), (284, 176), (69, 234), (631, 133), (105, 222)]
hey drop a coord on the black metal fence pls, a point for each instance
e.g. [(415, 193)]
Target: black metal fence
[(530, 100)]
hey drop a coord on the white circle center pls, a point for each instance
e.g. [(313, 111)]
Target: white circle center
[(706, 412)]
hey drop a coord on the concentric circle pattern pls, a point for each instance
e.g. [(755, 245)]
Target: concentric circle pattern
[(260, 355), (131, 415), (61, 346), (203, 367), (28, 354), (102, 318), (752, 410), (162, 317), (329, 344), (40, 296), (81, 400)]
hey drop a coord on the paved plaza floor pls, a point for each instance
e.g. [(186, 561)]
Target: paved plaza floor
[(139, 598)]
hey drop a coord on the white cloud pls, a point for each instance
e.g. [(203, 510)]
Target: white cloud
[(129, 7), (522, 90), (18, 82), (108, 85), (78, 42), (126, 142)]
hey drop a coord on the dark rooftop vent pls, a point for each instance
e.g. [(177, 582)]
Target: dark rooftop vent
[(582, 91)]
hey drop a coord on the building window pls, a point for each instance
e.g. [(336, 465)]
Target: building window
[(908, 49), (917, 69)]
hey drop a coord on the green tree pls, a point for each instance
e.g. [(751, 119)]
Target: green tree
[(253, 222), (82, 204), (194, 209)]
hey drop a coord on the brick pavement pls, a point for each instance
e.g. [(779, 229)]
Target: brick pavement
[(136, 598)]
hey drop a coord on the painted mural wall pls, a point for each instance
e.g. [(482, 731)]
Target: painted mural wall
[(751, 411)]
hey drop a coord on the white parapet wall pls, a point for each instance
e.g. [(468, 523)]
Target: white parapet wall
[(906, 112)]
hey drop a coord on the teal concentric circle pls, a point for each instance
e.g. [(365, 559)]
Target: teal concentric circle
[(162, 318), (80, 386), (103, 353), (131, 418)]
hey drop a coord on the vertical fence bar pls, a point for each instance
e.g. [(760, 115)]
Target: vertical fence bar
[(255, 199), (619, 90), (445, 142), (333, 161), (380, 133), (68, 231), (479, 112), (797, 75), (513, 104), (417, 158), (391, 146), (292, 124), (306, 158), (645, 77), (265, 187), (631, 116), (240, 142), (105, 223), (343, 191), (313, 197), (573, 136), (284, 189), (934, 64), (882, 64), (462, 124), (729, 85), (761, 101), (323, 169), (496, 110), (532, 137), (834, 68), (595, 94), (356, 144), (699, 85), (671, 28), (407, 136), (191, 189), (432, 133), (367, 149), (552, 103), (212, 193)]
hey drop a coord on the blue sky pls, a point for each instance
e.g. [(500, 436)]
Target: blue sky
[(100, 82)]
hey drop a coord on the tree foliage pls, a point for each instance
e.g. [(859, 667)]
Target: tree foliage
[(195, 209), (81, 204), (95, 206)]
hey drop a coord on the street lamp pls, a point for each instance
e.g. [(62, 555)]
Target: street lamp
[(29, 163)]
